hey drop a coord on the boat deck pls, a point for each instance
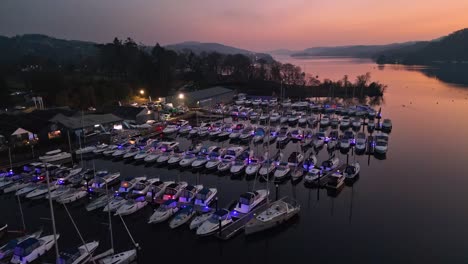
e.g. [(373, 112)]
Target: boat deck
[(324, 179), (232, 229)]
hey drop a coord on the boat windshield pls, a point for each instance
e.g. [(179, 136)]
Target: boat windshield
[(350, 170)]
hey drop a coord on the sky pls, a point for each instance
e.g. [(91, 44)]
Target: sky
[(258, 25)]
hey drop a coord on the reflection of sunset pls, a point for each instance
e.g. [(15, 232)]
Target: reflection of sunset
[(257, 25)]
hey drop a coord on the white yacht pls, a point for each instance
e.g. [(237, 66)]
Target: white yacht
[(188, 159), (312, 175), (125, 257), (78, 255), (268, 167), (188, 193), (72, 196), (182, 216), (172, 191), (30, 249), (330, 164), (253, 166), (275, 214), (110, 150), (275, 117), (131, 153), (55, 156), (282, 170), (198, 220), (99, 202), (221, 218), (85, 150), (387, 125), (170, 130), (238, 166), (175, 158), (42, 190), (205, 196), (250, 200), (164, 212), (325, 121), (100, 149), (352, 170), (158, 188)]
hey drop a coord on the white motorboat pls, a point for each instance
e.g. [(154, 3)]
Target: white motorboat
[(150, 156), (297, 134), (42, 190), (387, 125), (310, 162), (381, 146), (102, 179), (11, 185), (188, 193), (325, 121), (205, 196), (238, 166), (275, 214), (7, 250), (67, 174), (312, 175), (302, 121), (282, 171), (200, 161), (110, 150), (170, 130), (225, 131), (72, 196), (332, 144), (268, 167), (175, 158), (330, 164), (117, 201), (31, 248), (182, 216), (214, 159), (164, 157), (185, 129), (85, 150), (120, 152), (236, 131), (131, 206), (318, 142), (249, 200), (78, 255), (188, 159), (55, 156), (172, 191), (194, 131), (275, 117), (129, 183), (356, 123), (246, 134), (253, 166), (345, 122), (361, 142), (131, 153), (292, 120), (59, 191), (283, 119), (272, 135), (100, 149), (345, 143), (164, 212), (352, 170), (158, 188), (204, 131), (125, 257), (226, 163), (198, 220), (335, 180), (334, 122), (295, 158), (29, 188), (99, 202), (283, 135), (259, 135), (221, 218)]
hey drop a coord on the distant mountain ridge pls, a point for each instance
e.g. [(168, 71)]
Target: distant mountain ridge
[(199, 47), (447, 49), (60, 50)]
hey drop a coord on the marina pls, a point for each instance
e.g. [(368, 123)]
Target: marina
[(319, 206)]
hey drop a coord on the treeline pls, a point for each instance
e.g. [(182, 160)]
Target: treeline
[(116, 71)]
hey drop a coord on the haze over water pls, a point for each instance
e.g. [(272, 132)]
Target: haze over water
[(408, 208)]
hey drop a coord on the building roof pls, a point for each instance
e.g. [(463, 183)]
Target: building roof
[(76, 122), (126, 112), (207, 93)]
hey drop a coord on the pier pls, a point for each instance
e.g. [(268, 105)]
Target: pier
[(232, 229)]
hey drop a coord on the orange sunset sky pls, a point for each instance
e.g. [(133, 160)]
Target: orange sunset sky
[(258, 25)]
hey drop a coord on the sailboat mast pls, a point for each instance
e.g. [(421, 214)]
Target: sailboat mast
[(52, 214), (110, 220)]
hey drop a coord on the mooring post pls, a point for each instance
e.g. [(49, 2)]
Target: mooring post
[(277, 192)]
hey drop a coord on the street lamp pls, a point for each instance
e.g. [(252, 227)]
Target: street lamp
[(181, 96), (142, 92)]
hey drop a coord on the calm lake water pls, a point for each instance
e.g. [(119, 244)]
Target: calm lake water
[(408, 208)]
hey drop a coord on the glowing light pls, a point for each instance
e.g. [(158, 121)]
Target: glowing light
[(181, 96), (142, 92)]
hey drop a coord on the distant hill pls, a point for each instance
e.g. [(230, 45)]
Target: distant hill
[(282, 52), (359, 51), (199, 47), (448, 49), (60, 50)]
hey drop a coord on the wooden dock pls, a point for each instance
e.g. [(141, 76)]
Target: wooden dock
[(237, 226)]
